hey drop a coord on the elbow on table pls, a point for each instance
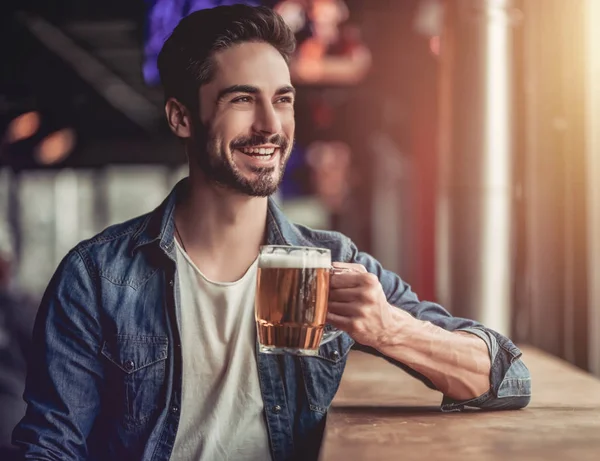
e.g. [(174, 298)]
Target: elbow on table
[(516, 402), (522, 402), (515, 391)]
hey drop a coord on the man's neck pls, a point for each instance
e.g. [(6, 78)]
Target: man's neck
[(221, 230)]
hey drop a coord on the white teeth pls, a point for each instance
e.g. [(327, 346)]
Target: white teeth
[(267, 152)]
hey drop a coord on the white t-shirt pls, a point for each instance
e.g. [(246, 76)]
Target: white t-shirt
[(222, 408)]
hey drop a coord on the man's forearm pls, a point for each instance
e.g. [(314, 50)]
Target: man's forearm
[(457, 363)]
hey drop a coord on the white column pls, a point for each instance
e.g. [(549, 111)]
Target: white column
[(476, 153)]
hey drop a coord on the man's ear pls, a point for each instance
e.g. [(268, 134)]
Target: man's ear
[(178, 118)]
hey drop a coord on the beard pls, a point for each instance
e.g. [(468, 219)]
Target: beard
[(209, 154)]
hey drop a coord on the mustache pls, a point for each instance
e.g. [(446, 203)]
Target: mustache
[(257, 140)]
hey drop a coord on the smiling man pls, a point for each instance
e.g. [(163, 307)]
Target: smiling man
[(145, 342)]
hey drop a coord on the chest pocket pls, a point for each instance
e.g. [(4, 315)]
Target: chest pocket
[(136, 375), (323, 373)]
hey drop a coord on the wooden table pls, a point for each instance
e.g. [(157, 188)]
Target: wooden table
[(381, 413)]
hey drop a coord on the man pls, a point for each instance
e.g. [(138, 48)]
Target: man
[(145, 346)]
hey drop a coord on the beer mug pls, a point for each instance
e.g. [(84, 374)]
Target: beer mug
[(292, 291)]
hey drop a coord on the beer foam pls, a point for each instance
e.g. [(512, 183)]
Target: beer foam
[(295, 261)]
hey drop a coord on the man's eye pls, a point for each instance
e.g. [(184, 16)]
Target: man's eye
[(286, 100), (242, 99)]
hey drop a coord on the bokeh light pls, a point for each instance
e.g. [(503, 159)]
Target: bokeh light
[(56, 147), (23, 127)]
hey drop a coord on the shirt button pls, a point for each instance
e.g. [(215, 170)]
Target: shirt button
[(171, 282), (335, 355), (276, 409), (174, 409), (129, 365)]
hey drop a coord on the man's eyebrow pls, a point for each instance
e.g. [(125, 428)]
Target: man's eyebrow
[(285, 90)]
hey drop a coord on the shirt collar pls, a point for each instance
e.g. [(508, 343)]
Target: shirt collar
[(159, 225)]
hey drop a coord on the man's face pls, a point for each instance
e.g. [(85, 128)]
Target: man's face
[(245, 131)]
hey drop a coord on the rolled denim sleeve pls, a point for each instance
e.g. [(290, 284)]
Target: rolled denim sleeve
[(64, 373), (510, 380), (510, 390)]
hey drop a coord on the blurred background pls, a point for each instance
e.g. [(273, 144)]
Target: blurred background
[(457, 141)]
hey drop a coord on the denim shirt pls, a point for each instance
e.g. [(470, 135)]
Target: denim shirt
[(105, 375)]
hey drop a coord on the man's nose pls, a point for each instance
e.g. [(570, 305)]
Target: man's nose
[(267, 120)]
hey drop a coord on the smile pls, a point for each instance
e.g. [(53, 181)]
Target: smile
[(260, 156), (259, 151)]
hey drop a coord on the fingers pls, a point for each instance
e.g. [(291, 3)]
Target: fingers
[(352, 280), (351, 266), (345, 295), (358, 295), (342, 309), (345, 280), (349, 318), (339, 321)]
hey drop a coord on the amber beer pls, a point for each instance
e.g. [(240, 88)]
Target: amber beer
[(291, 298)]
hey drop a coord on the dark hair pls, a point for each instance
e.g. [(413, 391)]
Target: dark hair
[(185, 60)]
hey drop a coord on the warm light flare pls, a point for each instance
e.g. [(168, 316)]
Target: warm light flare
[(23, 127), (56, 146)]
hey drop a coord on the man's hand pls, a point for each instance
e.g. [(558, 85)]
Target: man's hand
[(358, 305)]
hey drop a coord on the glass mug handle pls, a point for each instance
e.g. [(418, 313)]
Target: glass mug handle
[(331, 333)]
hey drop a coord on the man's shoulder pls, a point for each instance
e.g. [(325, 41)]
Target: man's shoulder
[(122, 234), (110, 253)]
